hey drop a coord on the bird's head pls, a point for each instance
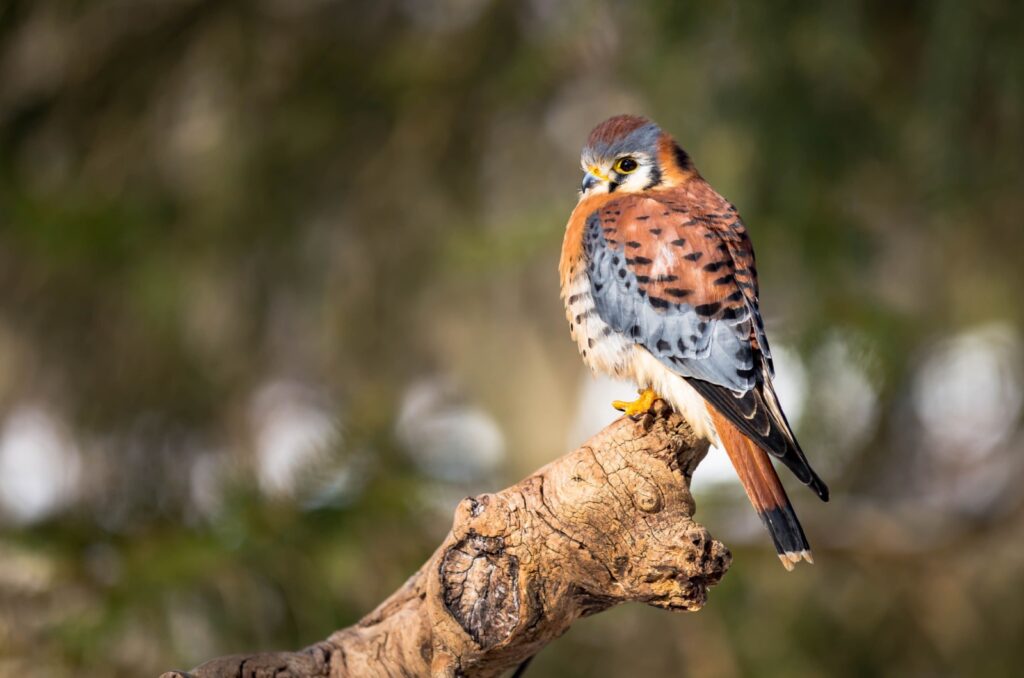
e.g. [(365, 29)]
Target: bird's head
[(628, 154)]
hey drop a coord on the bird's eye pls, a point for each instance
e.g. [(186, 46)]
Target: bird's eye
[(625, 165)]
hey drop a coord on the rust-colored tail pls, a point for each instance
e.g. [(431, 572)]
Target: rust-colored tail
[(765, 491)]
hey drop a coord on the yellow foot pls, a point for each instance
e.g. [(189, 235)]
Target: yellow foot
[(639, 406)]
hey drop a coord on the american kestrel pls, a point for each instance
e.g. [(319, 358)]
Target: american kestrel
[(659, 285)]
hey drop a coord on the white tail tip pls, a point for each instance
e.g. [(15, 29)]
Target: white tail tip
[(791, 558)]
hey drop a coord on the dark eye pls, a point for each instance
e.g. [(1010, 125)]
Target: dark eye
[(625, 165)]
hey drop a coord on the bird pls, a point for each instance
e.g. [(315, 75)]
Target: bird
[(660, 286)]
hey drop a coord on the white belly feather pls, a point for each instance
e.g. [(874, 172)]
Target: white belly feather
[(605, 350)]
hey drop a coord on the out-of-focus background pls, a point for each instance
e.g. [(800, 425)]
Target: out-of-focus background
[(277, 289)]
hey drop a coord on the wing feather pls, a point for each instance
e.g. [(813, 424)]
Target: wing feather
[(676, 275), (756, 413)]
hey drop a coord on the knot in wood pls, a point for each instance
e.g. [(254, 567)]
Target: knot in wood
[(647, 498), (484, 514), (587, 470), (480, 588), (675, 583)]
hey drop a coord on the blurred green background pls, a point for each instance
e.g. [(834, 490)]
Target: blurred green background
[(278, 288)]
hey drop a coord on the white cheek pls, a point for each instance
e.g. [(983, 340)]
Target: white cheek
[(638, 180)]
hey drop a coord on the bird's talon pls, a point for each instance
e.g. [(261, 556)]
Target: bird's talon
[(641, 405)]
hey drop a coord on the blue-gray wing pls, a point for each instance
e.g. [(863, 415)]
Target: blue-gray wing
[(662, 277), (678, 278)]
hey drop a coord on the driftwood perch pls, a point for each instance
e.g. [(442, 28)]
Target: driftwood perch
[(608, 523)]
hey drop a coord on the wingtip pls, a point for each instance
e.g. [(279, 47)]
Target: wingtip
[(819, 486)]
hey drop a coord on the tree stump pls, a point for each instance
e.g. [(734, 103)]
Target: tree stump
[(606, 524)]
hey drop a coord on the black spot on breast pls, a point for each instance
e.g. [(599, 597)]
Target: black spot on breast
[(693, 256), (735, 296), (643, 217), (598, 286), (663, 345), (708, 309), (633, 243), (725, 279), (643, 261), (622, 273), (658, 302), (715, 265), (591, 342), (655, 231), (634, 331), (679, 242), (678, 292), (643, 279), (665, 278)]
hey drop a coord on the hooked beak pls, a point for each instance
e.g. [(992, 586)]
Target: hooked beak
[(591, 178)]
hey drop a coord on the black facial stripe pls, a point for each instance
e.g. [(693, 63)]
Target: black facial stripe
[(655, 177), (682, 159)]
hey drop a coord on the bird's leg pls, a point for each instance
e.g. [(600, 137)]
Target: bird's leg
[(640, 405)]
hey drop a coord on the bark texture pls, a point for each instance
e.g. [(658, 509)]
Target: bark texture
[(608, 523)]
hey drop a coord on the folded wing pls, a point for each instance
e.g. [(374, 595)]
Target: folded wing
[(676, 275)]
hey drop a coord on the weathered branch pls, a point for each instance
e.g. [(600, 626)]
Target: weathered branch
[(606, 524)]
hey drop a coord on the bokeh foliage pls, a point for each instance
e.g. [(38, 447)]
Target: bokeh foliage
[(200, 198)]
